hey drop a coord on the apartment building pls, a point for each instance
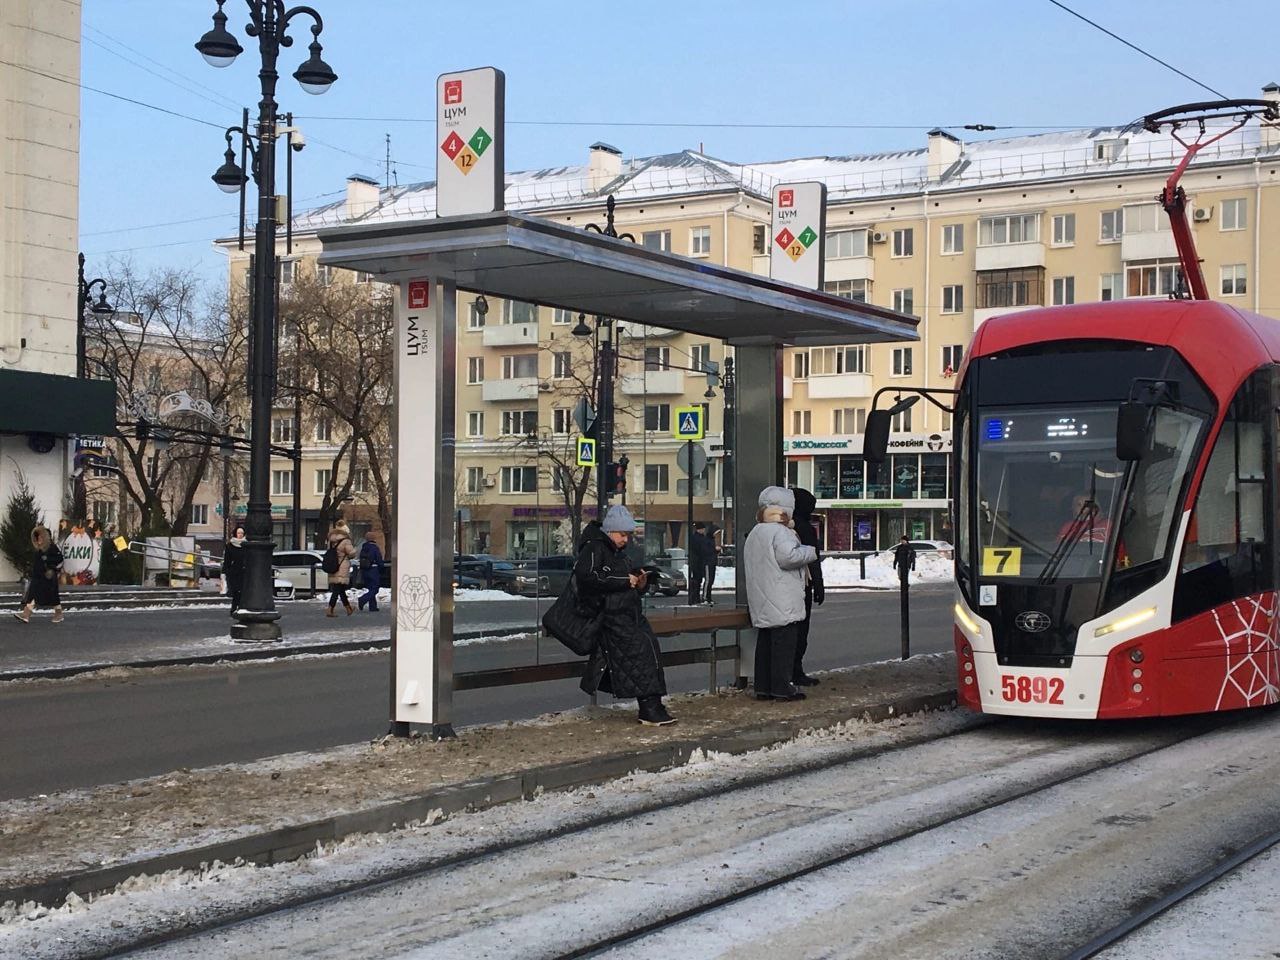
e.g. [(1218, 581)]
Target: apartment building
[(951, 232)]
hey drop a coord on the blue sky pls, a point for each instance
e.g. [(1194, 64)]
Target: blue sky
[(894, 68)]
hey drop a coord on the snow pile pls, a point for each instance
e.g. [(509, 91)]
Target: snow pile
[(846, 572)]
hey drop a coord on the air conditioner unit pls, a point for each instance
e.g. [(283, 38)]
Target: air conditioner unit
[(489, 481), (1201, 214), (544, 386), (878, 237)]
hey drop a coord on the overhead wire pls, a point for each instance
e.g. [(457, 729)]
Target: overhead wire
[(181, 76)]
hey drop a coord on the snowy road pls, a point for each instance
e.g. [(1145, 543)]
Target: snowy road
[(1015, 839)]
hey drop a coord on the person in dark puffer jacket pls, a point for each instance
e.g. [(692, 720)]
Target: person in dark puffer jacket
[(626, 661), (814, 591)]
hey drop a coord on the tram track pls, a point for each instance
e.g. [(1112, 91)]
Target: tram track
[(709, 905)]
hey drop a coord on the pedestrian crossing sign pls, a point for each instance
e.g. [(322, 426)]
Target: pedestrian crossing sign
[(586, 452), (690, 424)]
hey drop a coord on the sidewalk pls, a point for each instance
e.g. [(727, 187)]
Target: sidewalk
[(88, 841)]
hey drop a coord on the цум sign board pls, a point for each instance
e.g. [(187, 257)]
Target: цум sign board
[(798, 235), (470, 141)]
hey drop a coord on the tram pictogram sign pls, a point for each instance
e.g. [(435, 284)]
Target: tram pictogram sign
[(469, 130)]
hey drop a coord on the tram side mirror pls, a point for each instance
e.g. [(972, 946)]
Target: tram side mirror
[(1131, 431), (875, 440)]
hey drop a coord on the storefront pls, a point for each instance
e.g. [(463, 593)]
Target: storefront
[(866, 506)]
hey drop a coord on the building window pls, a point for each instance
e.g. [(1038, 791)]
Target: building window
[(561, 317), (324, 477), (830, 361), (1152, 279), (1064, 229), (519, 479), (324, 430), (657, 358), (1233, 215), (363, 276), (800, 365), (562, 365), (475, 423), (700, 242), (101, 467), (801, 422), (759, 241), (843, 244), (200, 514), (360, 480), (1064, 291), (901, 422), (475, 479), (519, 423), (904, 300), (1233, 280), (517, 311), (1010, 288), (848, 420), (656, 240), (519, 366), (282, 430), (1112, 226), (952, 355), (1112, 286), (904, 242), (901, 362), (1145, 218), (1108, 150), (700, 356), (104, 511), (281, 483), (475, 319), (1015, 228), (288, 272), (475, 370), (657, 417), (657, 478), (953, 299), (953, 238), (562, 420), (324, 274), (849, 289)]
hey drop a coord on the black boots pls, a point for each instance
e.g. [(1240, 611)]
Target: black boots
[(653, 713), (804, 680)]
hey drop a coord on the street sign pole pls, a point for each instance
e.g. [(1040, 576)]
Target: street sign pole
[(688, 537)]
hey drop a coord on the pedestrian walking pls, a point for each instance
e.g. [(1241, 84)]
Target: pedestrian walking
[(337, 564), (370, 573), (712, 533), (775, 564), (814, 591), (904, 558), (233, 566), (42, 584), (702, 558), (626, 661)]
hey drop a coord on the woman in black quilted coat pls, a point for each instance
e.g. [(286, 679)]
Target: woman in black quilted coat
[(626, 660)]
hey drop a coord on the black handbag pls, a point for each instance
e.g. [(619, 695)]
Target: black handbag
[(570, 623)]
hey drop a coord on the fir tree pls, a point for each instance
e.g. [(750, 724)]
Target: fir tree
[(20, 518)]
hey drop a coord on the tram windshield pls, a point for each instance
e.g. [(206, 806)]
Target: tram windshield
[(1050, 499)]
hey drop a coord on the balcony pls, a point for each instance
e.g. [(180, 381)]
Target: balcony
[(786, 388), (1148, 245), (840, 386), (654, 383), (760, 264), (980, 316), (511, 335), (640, 331), (1009, 256), (517, 388), (850, 268)]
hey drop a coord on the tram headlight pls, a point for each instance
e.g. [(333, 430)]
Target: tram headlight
[(1124, 623)]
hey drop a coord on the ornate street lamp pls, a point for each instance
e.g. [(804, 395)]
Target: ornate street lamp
[(269, 23), (99, 308)]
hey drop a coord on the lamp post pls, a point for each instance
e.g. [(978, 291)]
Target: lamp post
[(100, 307), (269, 23)]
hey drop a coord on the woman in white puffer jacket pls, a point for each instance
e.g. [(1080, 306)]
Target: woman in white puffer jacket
[(774, 563)]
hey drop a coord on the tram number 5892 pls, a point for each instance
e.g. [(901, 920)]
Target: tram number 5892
[(1031, 689)]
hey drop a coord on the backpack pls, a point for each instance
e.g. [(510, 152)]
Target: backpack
[(330, 562)]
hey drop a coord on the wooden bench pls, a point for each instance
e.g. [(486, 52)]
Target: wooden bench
[(667, 622)]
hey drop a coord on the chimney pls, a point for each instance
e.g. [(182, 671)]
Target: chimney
[(604, 165), (944, 150), (363, 194), (1270, 136)]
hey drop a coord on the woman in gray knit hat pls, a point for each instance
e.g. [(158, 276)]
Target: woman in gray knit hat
[(626, 662)]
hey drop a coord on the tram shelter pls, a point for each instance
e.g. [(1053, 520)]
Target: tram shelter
[(538, 261)]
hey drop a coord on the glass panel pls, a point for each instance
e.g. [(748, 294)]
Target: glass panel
[(825, 477), (851, 478), (933, 476), (906, 475)]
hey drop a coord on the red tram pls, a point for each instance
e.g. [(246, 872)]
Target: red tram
[(1117, 485)]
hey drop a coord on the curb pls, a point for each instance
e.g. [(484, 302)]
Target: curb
[(230, 656), (293, 842)]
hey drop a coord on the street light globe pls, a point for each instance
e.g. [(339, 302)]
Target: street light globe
[(219, 47), (315, 76), (229, 177)]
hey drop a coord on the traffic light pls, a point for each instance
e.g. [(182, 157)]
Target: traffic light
[(615, 478)]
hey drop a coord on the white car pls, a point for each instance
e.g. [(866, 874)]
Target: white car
[(296, 566), (210, 581), (940, 547)]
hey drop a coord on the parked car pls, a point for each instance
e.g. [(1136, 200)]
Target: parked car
[(479, 570), (544, 577), (922, 547), (665, 582), (210, 581), (296, 566)]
